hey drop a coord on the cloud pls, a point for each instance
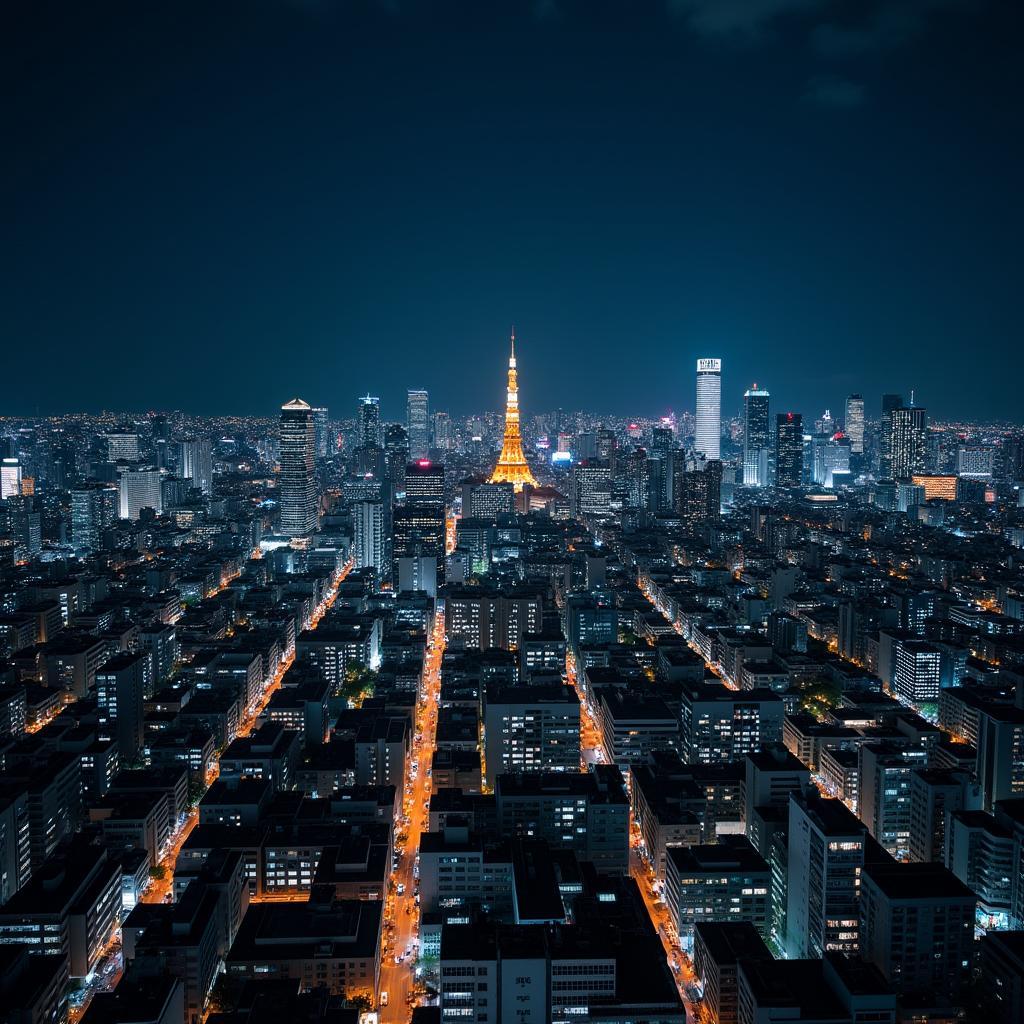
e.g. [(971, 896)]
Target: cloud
[(835, 92), (546, 10), (737, 17), (888, 25)]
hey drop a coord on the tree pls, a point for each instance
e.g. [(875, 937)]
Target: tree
[(358, 684)]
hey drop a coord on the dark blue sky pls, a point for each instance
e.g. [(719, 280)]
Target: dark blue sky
[(216, 206)]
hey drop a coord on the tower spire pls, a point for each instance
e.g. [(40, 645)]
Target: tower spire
[(512, 466)]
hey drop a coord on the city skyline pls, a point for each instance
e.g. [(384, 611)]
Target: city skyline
[(829, 240), (367, 659)]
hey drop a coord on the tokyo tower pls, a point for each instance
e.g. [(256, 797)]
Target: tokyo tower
[(512, 467)]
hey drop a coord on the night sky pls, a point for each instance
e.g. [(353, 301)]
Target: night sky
[(214, 207)]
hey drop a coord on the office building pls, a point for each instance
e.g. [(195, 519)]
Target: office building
[(886, 772), (195, 463), (121, 685), (368, 433), (789, 449), (480, 619), (853, 426), (707, 439), (370, 540), (1001, 967), (975, 462), (728, 881), (590, 489), (325, 444), (531, 729), (122, 445), (757, 437), (835, 990), (417, 423), (70, 908), (10, 478), (94, 508), (720, 725), (299, 503), (717, 948), (587, 812), (908, 448), (982, 852), (826, 854), (890, 403), (698, 495), (917, 678), (935, 794), (139, 489), (917, 928)]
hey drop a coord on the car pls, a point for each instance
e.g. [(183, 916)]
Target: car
[(398, 960), (401, 888), (384, 998)]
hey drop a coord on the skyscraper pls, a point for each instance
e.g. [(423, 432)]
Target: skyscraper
[(698, 494), (418, 423), (10, 478), (757, 439), (195, 463), (140, 488), (370, 537), (443, 431), (94, 506), (789, 449), (299, 513), (889, 403), (708, 434), (324, 449), (369, 422), (512, 467), (854, 425), (907, 447)]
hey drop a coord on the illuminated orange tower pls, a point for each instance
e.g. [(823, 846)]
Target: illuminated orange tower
[(512, 467)]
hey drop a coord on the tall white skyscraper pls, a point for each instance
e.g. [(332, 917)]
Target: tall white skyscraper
[(708, 434), (299, 512), (140, 488), (418, 423), (195, 463), (368, 519)]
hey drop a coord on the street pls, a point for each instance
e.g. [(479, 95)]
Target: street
[(401, 912), (679, 964)]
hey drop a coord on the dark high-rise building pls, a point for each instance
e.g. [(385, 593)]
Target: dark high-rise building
[(757, 439), (662, 439), (789, 449), (854, 424), (418, 423), (889, 403), (299, 512), (368, 425), (698, 494), (908, 441), (419, 524)]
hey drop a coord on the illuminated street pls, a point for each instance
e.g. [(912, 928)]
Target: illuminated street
[(401, 917), (592, 749)]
